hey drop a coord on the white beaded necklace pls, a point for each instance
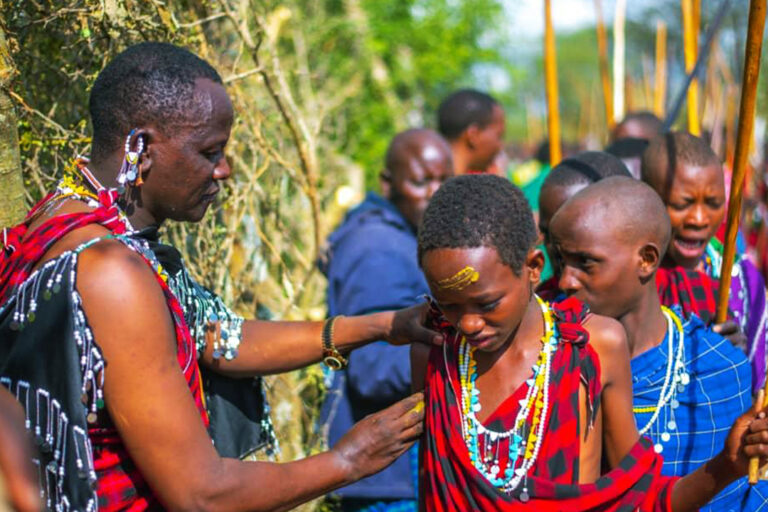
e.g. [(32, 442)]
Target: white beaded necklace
[(472, 429), (675, 379)]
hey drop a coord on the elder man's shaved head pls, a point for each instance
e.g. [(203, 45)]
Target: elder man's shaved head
[(418, 161)]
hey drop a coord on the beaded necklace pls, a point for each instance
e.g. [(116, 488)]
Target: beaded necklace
[(675, 380), (527, 433), (70, 187)]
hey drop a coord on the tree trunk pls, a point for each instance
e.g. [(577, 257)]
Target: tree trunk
[(12, 207)]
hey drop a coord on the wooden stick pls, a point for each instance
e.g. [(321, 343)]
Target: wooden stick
[(602, 56), (647, 81), (619, 19), (690, 42), (550, 76), (660, 87), (746, 125), (677, 104)]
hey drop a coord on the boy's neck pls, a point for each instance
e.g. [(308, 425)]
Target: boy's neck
[(528, 333), (645, 323)]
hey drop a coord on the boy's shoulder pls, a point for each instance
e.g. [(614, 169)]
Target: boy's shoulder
[(606, 336)]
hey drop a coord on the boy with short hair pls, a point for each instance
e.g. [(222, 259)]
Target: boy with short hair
[(689, 383), (522, 406), (688, 176)]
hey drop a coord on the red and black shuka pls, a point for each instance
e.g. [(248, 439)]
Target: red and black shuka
[(50, 361), (450, 482)]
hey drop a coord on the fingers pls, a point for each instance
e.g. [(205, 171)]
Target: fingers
[(405, 405), (412, 434), (726, 328), (429, 337), (757, 405), (756, 450)]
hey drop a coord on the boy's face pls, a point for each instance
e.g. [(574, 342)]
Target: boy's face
[(696, 206), (551, 199), (598, 263), (488, 310)]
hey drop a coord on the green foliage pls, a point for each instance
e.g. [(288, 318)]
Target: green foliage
[(418, 52)]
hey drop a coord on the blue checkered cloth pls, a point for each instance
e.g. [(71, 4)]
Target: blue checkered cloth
[(718, 392)]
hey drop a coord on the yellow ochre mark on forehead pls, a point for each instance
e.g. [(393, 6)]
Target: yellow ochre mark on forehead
[(460, 280)]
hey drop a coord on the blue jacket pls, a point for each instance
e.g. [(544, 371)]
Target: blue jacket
[(372, 266)]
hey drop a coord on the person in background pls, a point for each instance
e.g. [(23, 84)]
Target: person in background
[(473, 123), (565, 180), (688, 177), (637, 125), (371, 266)]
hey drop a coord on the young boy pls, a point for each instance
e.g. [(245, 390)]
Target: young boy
[(567, 178), (689, 178), (522, 406), (691, 290), (689, 383)]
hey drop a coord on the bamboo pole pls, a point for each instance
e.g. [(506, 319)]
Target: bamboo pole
[(746, 125), (690, 43), (602, 55), (647, 83), (619, 19), (660, 87), (550, 76)]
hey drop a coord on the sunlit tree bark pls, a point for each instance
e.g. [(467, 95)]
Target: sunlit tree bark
[(11, 183)]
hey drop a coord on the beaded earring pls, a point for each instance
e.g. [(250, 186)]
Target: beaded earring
[(129, 174)]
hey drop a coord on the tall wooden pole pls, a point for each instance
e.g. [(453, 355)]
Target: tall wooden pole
[(550, 76), (619, 20), (660, 86), (602, 55), (690, 45), (752, 53), (12, 205)]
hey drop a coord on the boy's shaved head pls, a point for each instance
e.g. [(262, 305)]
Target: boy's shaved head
[(610, 238), (641, 125), (628, 208), (667, 152), (585, 168)]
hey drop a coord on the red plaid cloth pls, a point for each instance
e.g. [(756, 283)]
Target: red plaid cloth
[(549, 289), (120, 485), (450, 483), (22, 250), (694, 291)]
